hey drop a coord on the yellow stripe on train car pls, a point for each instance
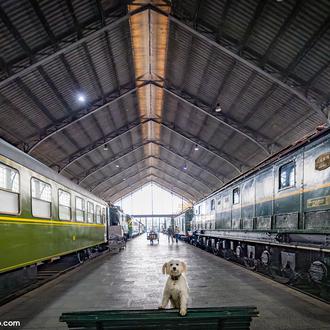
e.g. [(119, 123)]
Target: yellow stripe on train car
[(49, 222)]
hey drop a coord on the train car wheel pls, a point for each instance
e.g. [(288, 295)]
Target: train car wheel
[(250, 263), (318, 272), (81, 256)]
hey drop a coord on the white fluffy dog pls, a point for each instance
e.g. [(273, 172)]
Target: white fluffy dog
[(176, 288)]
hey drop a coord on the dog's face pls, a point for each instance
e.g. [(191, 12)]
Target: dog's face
[(174, 267)]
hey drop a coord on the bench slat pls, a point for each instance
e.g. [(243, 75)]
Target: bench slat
[(197, 318)]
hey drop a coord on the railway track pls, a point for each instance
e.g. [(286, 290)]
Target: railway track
[(50, 271)]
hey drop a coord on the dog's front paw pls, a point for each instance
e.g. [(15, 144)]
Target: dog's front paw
[(161, 307), (183, 312)]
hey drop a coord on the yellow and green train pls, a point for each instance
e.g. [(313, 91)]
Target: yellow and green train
[(276, 216), (42, 214)]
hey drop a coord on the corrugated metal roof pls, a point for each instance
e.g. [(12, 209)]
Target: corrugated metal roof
[(153, 75)]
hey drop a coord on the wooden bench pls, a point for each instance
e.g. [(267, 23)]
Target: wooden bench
[(196, 319)]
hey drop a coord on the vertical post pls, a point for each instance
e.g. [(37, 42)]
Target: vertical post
[(152, 205), (301, 219), (172, 203), (132, 203)]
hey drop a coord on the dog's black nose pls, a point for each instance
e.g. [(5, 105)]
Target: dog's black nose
[(174, 268)]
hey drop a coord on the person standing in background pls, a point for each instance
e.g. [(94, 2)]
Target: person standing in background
[(177, 232), (170, 233)]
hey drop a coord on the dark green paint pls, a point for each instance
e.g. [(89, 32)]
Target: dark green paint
[(196, 318)]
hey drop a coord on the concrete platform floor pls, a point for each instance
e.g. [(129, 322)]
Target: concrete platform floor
[(132, 279)]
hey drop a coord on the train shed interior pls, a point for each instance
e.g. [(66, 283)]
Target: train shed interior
[(107, 96)]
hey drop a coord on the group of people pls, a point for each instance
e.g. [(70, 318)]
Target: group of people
[(173, 233)]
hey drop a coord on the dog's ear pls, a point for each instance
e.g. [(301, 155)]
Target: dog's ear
[(164, 269), (184, 267)]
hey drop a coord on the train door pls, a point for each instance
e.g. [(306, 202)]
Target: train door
[(236, 207), (288, 180), (316, 202), (264, 195)]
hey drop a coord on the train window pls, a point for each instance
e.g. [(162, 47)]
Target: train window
[(287, 175), (41, 198), (9, 190), (103, 214), (236, 196), (90, 212), (64, 205), (80, 209), (98, 214), (212, 204)]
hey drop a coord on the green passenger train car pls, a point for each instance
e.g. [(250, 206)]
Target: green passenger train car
[(277, 215), (42, 214)]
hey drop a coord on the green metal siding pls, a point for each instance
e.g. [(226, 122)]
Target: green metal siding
[(24, 243)]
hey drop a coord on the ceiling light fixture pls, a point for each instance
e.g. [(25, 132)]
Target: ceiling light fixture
[(81, 98), (217, 108), (117, 166), (185, 166), (105, 147), (196, 147)]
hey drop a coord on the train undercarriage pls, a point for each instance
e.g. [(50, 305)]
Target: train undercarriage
[(284, 257)]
